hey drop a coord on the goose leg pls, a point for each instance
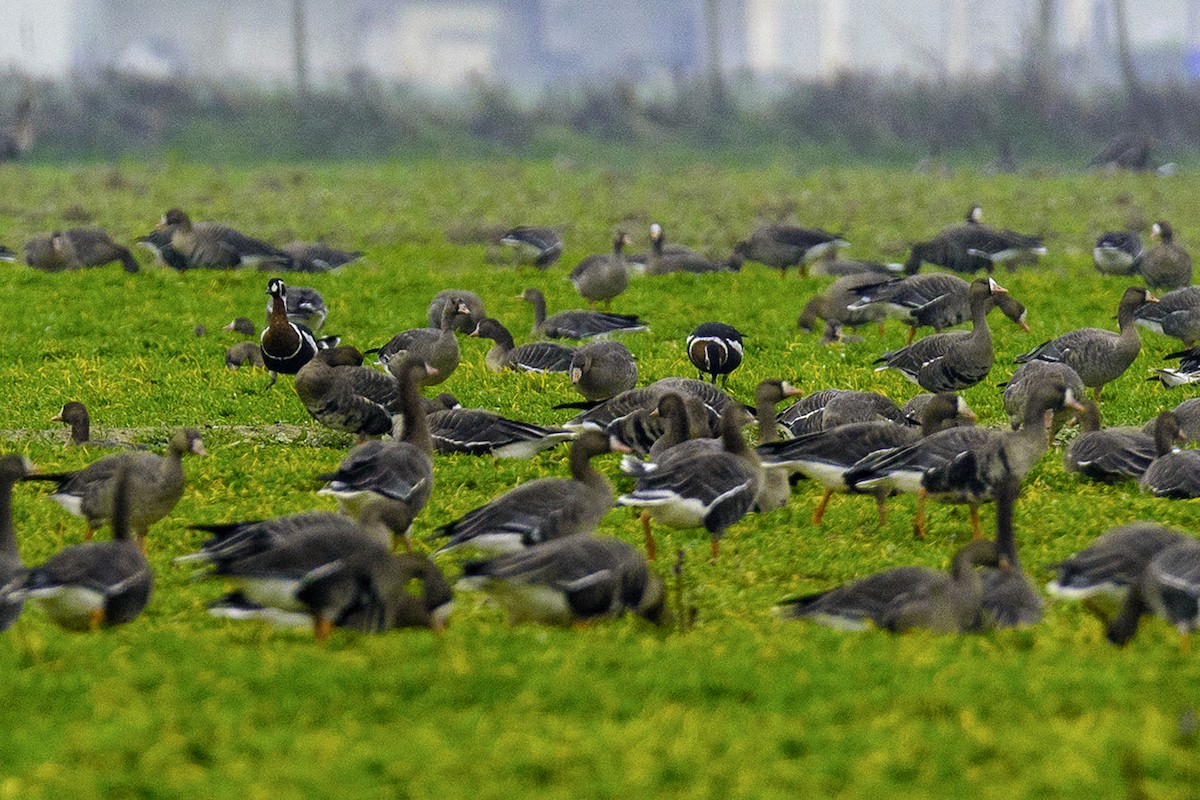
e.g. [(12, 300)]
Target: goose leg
[(1185, 643), (819, 511), (89, 533), (322, 627), (716, 547), (96, 619), (651, 545), (919, 521), (881, 508), (976, 531), (912, 334)]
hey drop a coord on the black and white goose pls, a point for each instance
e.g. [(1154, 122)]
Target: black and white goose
[(1117, 253), (715, 348), (539, 246), (1169, 587), (532, 357), (477, 432), (577, 323), (574, 579)]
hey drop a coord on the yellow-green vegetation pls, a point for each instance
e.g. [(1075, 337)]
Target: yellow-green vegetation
[(740, 705)]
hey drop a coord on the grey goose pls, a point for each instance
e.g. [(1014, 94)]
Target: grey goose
[(972, 246), (600, 278), (210, 245), (532, 357), (1176, 314), (1169, 587), (467, 304), (1025, 381), (1110, 455), (828, 408), (304, 305), (783, 246), (1174, 475), (578, 323), (13, 468), (600, 370), (936, 300), (475, 431), (666, 258), (437, 347), (539, 246), (1117, 253), (317, 257), (75, 414), (77, 248), (1166, 265)]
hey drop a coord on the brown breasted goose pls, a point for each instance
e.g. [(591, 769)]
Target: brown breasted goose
[(1110, 455), (1166, 265), (579, 323), (1098, 356), (210, 245), (539, 246), (600, 278), (541, 509), (600, 370), (784, 246), (12, 572), (437, 347), (1169, 586), (533, 357), (286, 346), (954, 360), (570, 580), (77, 248)]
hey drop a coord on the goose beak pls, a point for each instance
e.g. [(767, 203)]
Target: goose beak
[(1150, 298), (617, 446), (57, 417), (791, 391), (996, 288), (430, 369), (198, 448)]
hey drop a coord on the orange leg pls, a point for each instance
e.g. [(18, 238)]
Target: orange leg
[(651, 545), (819, 511), (912, 334), (716, 548), (322, 627), (919, 522), (1185, 643), (882, 328), (96, 620), (141, 540), (89, 533), (976, 531)]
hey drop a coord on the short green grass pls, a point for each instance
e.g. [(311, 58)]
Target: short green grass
[(742, 704)]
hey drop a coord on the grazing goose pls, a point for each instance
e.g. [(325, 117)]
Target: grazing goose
[(1024, 382), (1169, 586), (540, 247), (783, 246), (825, 456), (601, 370), (833, 306), (715, 348), (541, 509), (603, 416), (317, 257), (697, 485), (955, 360), (155, 485), (973, 246), (463, 322), (243, 325), (774, 490), (97, 584), (437, 347), (1111, 455), (209, 245), (666, 258), (599, 279), (304, 306), (1175, 475), (476, 432), (390, 482), (1176, 314), (1187, 372), (1166, 265), (12, 571), (569, 580), (649, 431), (906, 598), (1098, 356), (77, 248), (936, 300), (350, 398), (829, 408), (244, 353), (76, 415), (1188, 414), (1009, 597), (577, 324), (1117, 253), (532, 357), (286, 346), (1102, 574)]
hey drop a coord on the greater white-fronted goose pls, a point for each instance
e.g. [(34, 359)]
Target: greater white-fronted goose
[(955, 360), (649, 431), (577, 324), (1169, 586), (832, 306), (77, 248), (906, 598), (538, 246), (1175, 475), (936, 300), (541, 509), (697, 485), (475, 431), (97, 584), (304, 305), (715, 348), (1166, 265), (388, 483), (1117, 253), (666, 258), (75, 414), (646, 397), (437, 347), (600, 278), (825, 456), (784, 246), (532, 357), (463, 322), (12, 572), (158, 242), (349, 398), (286, 346), (1111, 455), (841, 406), (317, 257), (1025, 380), (1098, 356), (7, 254), (835, 266), (155, 484), (1188, 414), (210, 245), (243, 325), (1102, 574), (973, 246), (570, 580), (774, 490), (1176, 314), (244, 353), (1009, 597), (601, 370), (1129, 151)]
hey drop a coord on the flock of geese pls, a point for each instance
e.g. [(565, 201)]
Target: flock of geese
[(535, 546)]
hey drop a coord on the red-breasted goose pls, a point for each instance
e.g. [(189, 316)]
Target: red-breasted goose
[(1166, 265), (209, 245), (577, 324), (286, 346), (570, 580), (532, 357), (715, 348)]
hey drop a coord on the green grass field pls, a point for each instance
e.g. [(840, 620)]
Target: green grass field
[(742, 704)]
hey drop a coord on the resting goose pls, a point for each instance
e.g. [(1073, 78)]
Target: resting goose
[(476, 432), (76, 415), (317, 257), (534, 245), (244, 326), (532, 357), (437, 347), (697, 485), (349, 398), (462, 322), (784, 246), (210, 245), (1111, 455), (541, 509), (12, 572), (1098, 356), (936, 300), (1117, 253), (154, 484), (906, 598), (1025, 381), (158, 242), (1175, 475), (577, 324), (829, 408), (244, 353), (715, 348), (1176, 314), (1166, 265), (304, 306), (97, 584), (601, 370), (1169, 586), (575, 579), (7, 254), (599, 279), (955, 360), (973, 246), (1188, 414), (77, 248)]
